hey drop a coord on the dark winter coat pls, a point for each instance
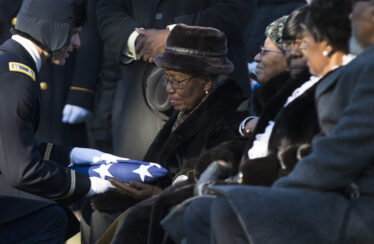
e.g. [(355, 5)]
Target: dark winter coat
[(130, 103), (263, 94), (295, 125), (215, 121)]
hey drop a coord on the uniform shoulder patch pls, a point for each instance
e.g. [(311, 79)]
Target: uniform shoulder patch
[(21, 68)]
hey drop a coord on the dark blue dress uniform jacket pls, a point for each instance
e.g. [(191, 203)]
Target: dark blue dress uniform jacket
[(26, 165)]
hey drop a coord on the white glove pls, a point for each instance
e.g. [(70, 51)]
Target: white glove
[(74, 114), (98, 186), (88, 156)]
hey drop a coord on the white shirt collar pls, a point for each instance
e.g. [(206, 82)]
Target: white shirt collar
[(31, 49)]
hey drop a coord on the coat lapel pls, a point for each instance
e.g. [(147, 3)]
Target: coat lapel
[(327, 82)]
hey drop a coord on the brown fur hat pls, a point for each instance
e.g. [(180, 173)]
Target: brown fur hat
[(196, 49)]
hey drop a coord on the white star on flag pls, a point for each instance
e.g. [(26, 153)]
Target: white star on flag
[(142, 171), (103, 170)]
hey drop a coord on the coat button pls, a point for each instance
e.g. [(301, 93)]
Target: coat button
[(14, 21), (43, 86), (159, 16)]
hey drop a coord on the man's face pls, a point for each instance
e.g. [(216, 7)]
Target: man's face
[(75, 42), (270, 62), (362, 21)]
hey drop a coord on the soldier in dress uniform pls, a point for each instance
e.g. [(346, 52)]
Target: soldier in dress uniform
[(46, 30)]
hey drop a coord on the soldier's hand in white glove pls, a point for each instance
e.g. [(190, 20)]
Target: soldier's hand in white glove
[(98, 186), (73, 114), (88, 156)]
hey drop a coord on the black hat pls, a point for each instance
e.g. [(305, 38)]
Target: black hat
[(196, 49), (48, 22)]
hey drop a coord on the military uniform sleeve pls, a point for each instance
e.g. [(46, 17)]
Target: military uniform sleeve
[(59, 154), (21, 163), (339, 158), (88, 61)]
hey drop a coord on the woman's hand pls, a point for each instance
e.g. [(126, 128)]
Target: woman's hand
[(136, 190)]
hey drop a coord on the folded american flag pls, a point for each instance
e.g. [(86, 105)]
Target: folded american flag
[(123, 170)]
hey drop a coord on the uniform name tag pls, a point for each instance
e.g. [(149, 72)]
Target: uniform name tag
[(21, 68)]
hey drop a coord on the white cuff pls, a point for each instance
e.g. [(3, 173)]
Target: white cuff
[(180, 178), (171, 27), (129, 49)]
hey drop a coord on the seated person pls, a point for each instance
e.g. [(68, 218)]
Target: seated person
[(206, 114), (271, 66)]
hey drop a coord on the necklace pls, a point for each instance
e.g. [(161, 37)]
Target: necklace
[(182, 116)]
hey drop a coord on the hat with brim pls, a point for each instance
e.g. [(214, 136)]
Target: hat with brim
[(195, 49)]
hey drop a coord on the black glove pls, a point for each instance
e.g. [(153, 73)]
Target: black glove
[(136, 190), (230, 152)]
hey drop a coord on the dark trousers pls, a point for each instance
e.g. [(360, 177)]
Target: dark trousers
[(47, 225), (94, 223)]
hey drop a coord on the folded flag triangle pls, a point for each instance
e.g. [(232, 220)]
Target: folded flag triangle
[(123, 170)]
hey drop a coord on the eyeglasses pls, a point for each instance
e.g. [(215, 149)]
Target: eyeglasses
[(292, 44), (176, 84), (263, 50)]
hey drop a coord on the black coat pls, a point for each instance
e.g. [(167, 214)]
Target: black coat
[(266, 92), (267, 11), (215, 121), (130, 104), (25, 164), (118, 19), (294, 125)]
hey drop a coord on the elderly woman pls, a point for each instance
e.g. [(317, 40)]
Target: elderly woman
[(278, 143), (205, 115), (195, 66), (281, 64)]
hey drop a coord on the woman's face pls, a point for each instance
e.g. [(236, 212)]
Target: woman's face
[(270, 61), (186, 90), (296, 59), (314, 51)]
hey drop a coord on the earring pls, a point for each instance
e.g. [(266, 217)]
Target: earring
[(206, 92), (325, 53)]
